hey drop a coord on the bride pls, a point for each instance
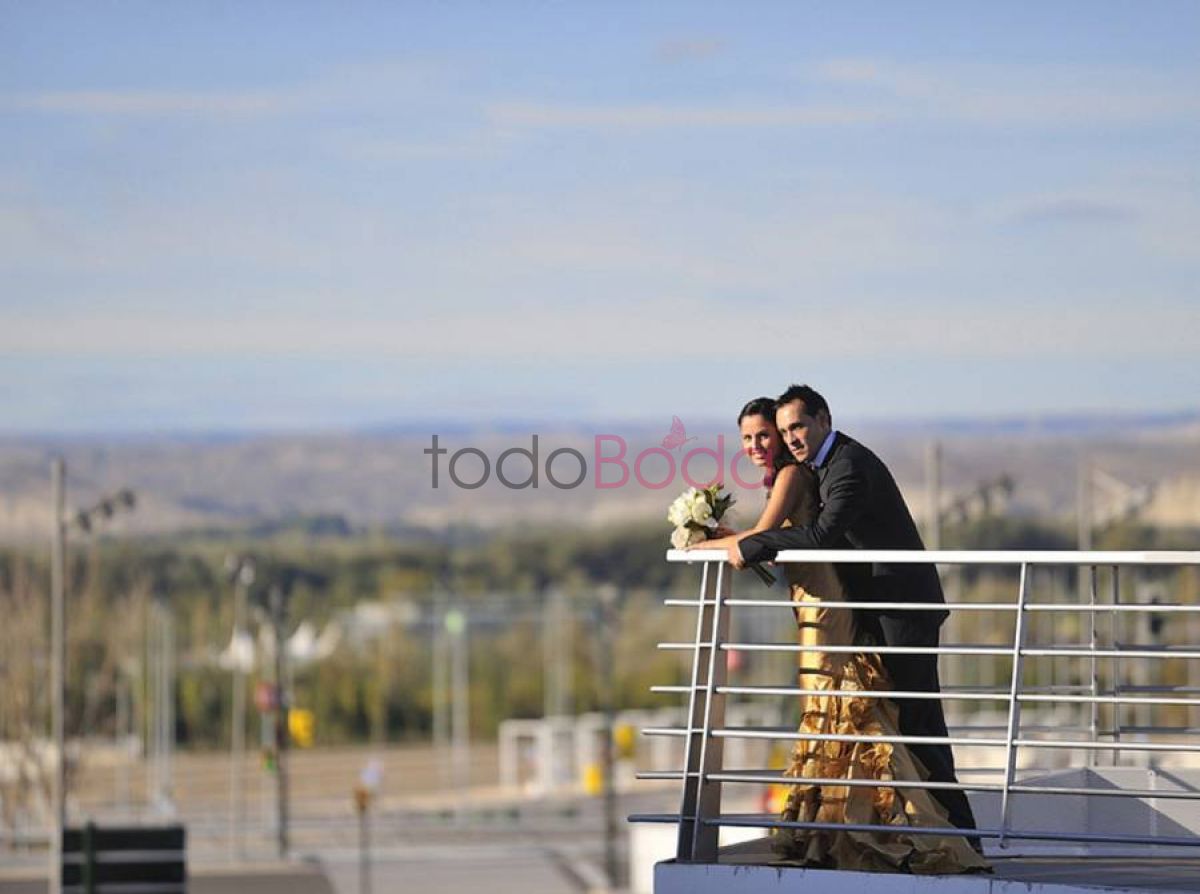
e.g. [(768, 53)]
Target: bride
[(792, 499)]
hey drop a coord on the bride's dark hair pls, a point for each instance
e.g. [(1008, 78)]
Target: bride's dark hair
[(766, 407), (760, 406)]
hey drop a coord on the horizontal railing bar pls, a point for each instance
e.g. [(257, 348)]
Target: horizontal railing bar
[(1025, 727), (954, 606), (1106, 746), (957, 557), (858, 693), (999, 651), (1067, 652), (869, 650), (1054, 687), (767, 778), (664, 774), (669, 689), (754, 776), (1108, 700), (947, 695), (1137, 607), (911, 606), (1105, 792), (792, 735), (767, 822), (1058, 727), (1069, 688)]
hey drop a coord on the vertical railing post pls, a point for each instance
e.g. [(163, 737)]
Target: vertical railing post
[(706, 837), (1014, 707), (706, 710), (695, 712), (1116, 662), (1094, 669)]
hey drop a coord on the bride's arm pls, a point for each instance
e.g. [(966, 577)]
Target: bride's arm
[(779, 506)]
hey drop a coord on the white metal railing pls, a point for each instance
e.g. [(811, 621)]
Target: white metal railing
[(703, 775)]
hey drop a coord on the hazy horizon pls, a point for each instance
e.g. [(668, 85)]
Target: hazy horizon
[(1047, 423)]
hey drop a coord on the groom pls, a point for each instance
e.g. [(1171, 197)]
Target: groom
[(861, 508)]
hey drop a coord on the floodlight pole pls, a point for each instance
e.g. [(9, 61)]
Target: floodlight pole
[(58, 676)]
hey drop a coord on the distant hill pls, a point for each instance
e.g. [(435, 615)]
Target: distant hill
[(337, 484)]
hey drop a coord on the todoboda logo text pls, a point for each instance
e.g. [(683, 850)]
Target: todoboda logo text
[(609, 466)]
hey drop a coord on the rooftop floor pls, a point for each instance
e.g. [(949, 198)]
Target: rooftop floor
[(751, 867)]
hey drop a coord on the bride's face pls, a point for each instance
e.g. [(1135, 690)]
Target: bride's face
[(760, 440)]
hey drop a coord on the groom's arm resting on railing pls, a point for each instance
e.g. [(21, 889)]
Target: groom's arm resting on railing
[(779, 506), (848, 496)]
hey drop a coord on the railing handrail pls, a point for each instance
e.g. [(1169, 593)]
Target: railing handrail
[(960, 557)]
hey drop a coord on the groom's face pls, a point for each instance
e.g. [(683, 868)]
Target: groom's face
[(803, 434)]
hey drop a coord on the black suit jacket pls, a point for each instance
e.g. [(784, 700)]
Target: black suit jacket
[(861, 508)]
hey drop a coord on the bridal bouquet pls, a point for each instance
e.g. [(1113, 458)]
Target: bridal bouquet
[(697, 512), (696, 515)]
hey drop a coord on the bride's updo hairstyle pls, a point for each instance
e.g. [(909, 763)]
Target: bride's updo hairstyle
[(765, 407)]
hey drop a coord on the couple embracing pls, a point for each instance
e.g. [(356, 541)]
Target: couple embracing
[(827, 491)]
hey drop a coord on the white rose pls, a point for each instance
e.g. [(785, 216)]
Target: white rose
[(683, 537), (702, 513), (680, 512)]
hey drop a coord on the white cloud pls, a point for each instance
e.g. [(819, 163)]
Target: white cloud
[(153, 103), (342, 88), (690, 49), (872, 92), (1072, 210), (650, 116), (1036, 95), (381, 148)]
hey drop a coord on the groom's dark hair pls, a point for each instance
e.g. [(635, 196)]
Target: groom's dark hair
[(813, 402)]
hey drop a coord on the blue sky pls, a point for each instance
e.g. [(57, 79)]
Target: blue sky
[(233, 215)]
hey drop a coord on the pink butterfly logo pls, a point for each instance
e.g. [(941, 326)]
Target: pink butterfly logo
[(677, 436)]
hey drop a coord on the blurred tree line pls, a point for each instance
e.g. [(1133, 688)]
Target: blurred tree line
[(377, 684)]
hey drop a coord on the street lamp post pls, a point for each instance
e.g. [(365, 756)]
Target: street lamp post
[(58, 648), (241, 571), (607, 615), (276, 604), (457, 624), (58, 661)]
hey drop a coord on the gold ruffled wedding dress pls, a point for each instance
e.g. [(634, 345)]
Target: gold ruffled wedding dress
[(857, 805)]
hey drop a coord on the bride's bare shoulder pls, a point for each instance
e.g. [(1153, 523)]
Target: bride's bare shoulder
[(793, 475)]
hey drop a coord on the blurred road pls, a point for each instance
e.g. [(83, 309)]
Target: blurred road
[(301, 879)]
